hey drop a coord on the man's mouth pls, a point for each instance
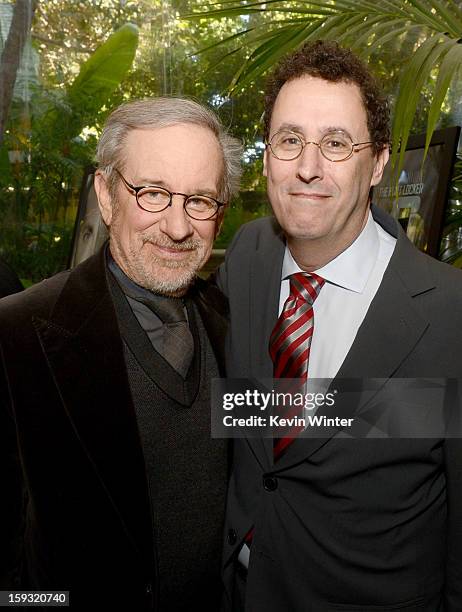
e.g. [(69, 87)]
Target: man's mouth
[(308, 195), (172, 250)]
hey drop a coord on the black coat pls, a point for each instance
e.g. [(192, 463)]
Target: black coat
[(75, 511)]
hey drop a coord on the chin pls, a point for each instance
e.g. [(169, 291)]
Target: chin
[(304, 231), (169, 281)]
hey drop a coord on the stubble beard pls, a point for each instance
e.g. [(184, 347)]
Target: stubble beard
[(161, 275)]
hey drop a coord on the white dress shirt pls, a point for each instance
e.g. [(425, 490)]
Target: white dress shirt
[(352, 280)]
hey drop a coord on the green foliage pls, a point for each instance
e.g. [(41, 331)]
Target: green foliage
[(366, 27), (451, 243), (39, 192), (413, 45), (97, 80), (92, 59), (238, 213)]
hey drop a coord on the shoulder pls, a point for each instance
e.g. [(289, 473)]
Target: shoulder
[(422, 268), (256, 234), (38, 300), (255, 244), (71, 290), (448, 281), (435, 287), (206, 295)]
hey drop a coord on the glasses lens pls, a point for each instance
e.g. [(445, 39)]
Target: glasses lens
[(200, 207), (286, 145), (153, 199), (336, 146)]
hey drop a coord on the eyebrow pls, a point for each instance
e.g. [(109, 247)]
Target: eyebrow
[(145, 182), (293, 127)]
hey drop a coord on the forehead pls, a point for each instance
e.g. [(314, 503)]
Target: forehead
[(313, 105), (182, 153)]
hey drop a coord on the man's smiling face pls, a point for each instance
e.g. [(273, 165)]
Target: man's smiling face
[(314, 198), (163, 251)]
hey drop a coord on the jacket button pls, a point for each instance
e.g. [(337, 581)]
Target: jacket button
[(270, 483), (232, 537)]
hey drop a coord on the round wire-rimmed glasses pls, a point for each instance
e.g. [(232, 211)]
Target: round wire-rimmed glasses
[(335, 146), (155, 199)]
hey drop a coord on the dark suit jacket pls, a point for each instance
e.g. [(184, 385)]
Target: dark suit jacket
[(75, 511), (9, 281), (356, 525)]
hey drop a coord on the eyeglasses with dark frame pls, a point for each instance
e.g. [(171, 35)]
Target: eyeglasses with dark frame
[(155, 199), (335, 146)]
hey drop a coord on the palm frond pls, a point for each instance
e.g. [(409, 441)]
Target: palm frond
[(414, 76), (366, 26), (451, 62)]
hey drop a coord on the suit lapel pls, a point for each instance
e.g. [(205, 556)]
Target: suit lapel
[(389, 333), (82, 345), (265, 283)]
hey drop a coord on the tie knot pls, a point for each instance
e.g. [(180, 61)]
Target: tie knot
[(168, 309), (305, 286)]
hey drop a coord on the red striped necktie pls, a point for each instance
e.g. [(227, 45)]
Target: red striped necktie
[(290, 341)]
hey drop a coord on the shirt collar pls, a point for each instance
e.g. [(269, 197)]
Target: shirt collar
[(351, 268)]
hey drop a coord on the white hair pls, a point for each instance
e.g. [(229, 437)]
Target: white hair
[(159, 113)]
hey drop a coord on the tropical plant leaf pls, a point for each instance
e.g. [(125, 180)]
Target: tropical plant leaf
[(271, 51), (344, 25), (99, 76), (366, 26), (222, 42), (433, 20), (414, 76), (391, 35), (104, 70), (379, 28), (232, 11), (451, 62), (452, 17)]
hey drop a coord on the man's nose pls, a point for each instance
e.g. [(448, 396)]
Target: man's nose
[(310, 163), (175, 223)]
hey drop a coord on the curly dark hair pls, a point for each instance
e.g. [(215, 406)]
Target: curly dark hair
[(327, 60)]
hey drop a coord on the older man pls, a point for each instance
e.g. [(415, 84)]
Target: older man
[(330, 289), (112, 487)]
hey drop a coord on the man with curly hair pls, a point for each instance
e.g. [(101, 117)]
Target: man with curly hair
[(331, 288)]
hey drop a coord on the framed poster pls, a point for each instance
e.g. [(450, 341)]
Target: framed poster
[(423, 191), (89, 229)]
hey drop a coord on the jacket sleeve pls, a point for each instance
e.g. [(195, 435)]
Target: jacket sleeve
[(11, 506), (453, 463)]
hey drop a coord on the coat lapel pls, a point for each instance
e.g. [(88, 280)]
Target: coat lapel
[(265, 282), (82, 345), (389, 333)]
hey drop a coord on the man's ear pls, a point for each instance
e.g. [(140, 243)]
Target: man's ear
[(265, 161), (219, 220), (379, 166), (104, 197)]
